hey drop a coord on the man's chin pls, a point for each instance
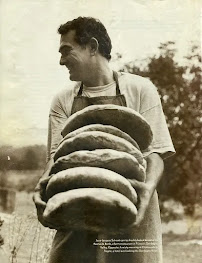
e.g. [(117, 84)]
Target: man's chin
[(73, 77)]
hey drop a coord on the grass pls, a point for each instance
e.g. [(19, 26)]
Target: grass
[(26, 240), (177, 249), (28, 237)]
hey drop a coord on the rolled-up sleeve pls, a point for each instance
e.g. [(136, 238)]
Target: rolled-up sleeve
[(57, 119), (152, 111)]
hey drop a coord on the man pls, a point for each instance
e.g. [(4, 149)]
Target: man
[(85, 49)]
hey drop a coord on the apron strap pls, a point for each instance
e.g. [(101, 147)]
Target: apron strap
[(115, 76), (80, 90)]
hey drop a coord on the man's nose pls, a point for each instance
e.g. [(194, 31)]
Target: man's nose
[(62, 61)]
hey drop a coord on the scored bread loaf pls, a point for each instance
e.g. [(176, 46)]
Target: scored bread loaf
[(103, 128), (124, 118), (93, 209), (120, 162), (93, 140), (89, 177)]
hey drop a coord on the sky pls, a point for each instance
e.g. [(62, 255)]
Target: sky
[(30, 73)]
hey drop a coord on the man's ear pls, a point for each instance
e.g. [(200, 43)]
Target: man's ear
[(94, 45)]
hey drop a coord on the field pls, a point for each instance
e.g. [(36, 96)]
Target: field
[(179, 249), (26, 241)]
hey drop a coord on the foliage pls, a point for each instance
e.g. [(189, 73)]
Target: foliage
[(1, 238), (180, 92), (23, 158)]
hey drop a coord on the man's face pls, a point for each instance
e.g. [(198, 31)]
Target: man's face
[(75, 57)]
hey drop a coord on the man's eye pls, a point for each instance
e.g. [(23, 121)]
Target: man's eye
[(66, 52)]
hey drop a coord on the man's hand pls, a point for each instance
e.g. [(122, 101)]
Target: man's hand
[(39, 199), (146, 189), (144, 193), (39, 196)]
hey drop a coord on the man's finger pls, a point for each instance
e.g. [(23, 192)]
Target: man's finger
[(139, 218), (140, 213), (136, 184), (45, 181), (40, 211), (44, 222), (142, 207), (41, 220), (39, 203)]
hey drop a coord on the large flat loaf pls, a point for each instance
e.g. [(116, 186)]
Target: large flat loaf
[(90, 177), (120, 162), (93, 140), (93, 209), (125, 119), (103, 128)]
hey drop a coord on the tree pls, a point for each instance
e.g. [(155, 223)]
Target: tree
[(31, 157), (180, 92)]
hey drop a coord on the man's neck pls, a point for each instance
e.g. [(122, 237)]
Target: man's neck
[(99, 75)]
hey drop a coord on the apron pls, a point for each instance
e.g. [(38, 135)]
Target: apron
[(77, 246)]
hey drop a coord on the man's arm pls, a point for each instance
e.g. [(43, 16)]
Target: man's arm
[(39, 197), (155, 167), (57, 118), (45, 175)]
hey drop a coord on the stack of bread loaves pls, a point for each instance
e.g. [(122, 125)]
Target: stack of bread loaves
[(88, 188)]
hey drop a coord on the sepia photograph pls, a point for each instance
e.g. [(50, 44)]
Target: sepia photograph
[(100, 142)]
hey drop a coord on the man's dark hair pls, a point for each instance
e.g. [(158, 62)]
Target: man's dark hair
[(86, 28)]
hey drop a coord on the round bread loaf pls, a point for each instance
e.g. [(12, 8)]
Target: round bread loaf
[(103, 128), (120, 162), (124, 118), (93, 140), (90, 177), (93, 209)]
